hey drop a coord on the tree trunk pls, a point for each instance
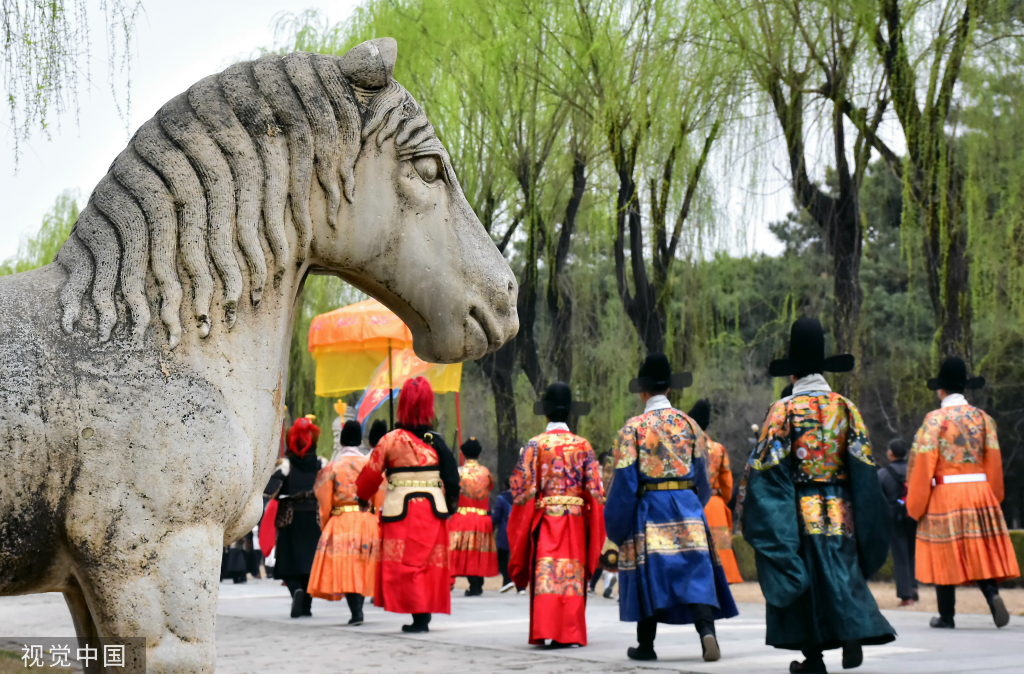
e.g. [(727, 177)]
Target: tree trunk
[(559, 295), (956, 311), (500, 370), (641, 308)]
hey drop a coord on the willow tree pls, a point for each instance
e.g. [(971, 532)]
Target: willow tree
[(46, 53), (814, 65), (659, 96), (926, 46), (42, 247)]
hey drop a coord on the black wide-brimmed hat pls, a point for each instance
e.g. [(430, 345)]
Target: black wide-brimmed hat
[(656, 375), (471, 448), (701, 413), (807, 352), (558, 398), (953, 377)]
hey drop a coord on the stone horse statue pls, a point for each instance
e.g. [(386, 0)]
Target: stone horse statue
[(130, 451)]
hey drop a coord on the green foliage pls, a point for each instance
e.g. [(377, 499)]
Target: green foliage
[(320, 294), (42, 248), (46, 51), (744, 558)]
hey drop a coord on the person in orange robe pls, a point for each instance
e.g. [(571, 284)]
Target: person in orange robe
[(556, 529), (473, 551), (423, 488), (954, 488), (718, 515), (346, 556)]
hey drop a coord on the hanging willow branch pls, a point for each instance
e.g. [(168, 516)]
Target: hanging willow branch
[(46, 52)]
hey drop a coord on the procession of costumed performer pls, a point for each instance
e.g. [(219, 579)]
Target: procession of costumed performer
[(954, 488), (298, 530), (814, 513), (556, 528), (348, 551), (422, 490), (473, 552), (668, 569), (720, 478)]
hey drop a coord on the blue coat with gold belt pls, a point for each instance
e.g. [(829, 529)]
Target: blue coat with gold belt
[(667, 558)]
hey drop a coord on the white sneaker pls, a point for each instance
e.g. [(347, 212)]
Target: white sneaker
[(522, 591), (507, 586)]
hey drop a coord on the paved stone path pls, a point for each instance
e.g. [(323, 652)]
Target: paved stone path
[(488, 634)]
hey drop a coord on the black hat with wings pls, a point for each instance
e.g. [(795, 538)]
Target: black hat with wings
[(558, 399), (656, 375), (807, 352)]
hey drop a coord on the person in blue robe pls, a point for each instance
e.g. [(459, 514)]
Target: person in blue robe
[(669, 571)]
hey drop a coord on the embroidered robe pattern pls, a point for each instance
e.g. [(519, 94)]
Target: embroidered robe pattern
[(556, 532), (961, 532)]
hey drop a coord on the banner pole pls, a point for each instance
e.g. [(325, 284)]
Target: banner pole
[(391, 390), (458, 419)]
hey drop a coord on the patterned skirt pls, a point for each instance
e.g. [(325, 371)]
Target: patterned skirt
[(346, 557), (471, 545), (670, 562), (558, 591), (720, 523), (412, 576), (963, 537)]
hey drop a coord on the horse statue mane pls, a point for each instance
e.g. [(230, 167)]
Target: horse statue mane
[(221, 163), (128, 464)]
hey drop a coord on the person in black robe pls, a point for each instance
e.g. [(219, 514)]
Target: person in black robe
[(298, 528), (893, 479)]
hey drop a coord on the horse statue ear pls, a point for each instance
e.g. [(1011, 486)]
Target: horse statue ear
[(371, 64)]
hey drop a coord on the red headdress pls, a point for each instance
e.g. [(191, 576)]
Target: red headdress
[(416, 403), (303, 436)]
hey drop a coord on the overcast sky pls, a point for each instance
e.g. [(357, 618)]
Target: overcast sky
[(178, 42)]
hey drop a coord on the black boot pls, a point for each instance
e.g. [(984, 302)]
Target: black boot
[(943, 623), (420, 623), (813, 664), (853, 654), (476, 586), (704, 621), (355, 605), (307, 605), (298, 600), (608, 590), (646, 632), (990, 589)]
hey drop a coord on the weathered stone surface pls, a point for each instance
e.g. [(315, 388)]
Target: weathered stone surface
[(131, 449)]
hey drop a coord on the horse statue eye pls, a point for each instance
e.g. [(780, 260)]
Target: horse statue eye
[(427, 168)]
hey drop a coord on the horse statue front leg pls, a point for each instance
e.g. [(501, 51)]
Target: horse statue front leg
[(165, 591)]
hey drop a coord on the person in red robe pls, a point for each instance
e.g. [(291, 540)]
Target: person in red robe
[(423, 488), (473, 552), (556, 529)]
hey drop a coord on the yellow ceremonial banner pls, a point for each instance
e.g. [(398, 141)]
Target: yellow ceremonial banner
[(335, 374)]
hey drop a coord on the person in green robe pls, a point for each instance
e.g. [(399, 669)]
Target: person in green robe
[(814, 513)]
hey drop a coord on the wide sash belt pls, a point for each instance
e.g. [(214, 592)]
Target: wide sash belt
[(337, 510), (546, 501), (467, 510), (671, 485), (407, 484), (959, 479)]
